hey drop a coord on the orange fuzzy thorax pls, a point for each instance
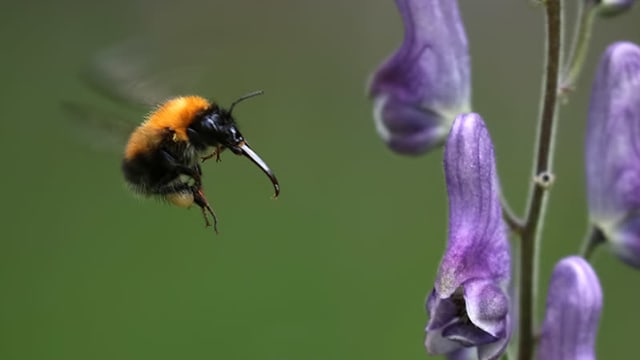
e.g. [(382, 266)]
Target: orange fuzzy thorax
[(175, 115)]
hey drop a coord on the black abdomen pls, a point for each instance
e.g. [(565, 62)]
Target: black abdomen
[(149, 172)]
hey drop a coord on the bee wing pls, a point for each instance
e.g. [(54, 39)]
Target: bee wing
[(99, 129), (130, 73)]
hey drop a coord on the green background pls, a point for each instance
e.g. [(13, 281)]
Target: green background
[(338, 267)]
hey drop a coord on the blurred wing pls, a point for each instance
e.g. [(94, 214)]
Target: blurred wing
[(97, 128), (131, 73)]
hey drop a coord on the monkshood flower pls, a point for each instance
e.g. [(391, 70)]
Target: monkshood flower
[(421, 88), (612, 150), (611, 7), (573, 309), (469, 306)]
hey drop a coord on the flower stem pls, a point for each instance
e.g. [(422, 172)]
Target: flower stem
[(514, 223), (591, 242), (538, 192), (580, 46)]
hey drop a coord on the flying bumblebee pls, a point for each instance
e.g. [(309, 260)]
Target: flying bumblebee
[(163, 154)]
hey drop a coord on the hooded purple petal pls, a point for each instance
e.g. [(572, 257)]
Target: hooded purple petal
[(613, 150), (469, 305), (477, 246), (420, 89), (573, 309)]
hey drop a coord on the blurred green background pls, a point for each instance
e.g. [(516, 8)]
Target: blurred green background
[(338, 267)]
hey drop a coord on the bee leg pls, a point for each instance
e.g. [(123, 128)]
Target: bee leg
[(201, 200), (215, 153), (197, 175), (207, 157), (174, 194)]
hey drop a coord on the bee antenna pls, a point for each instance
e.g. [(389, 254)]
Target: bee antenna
[(245, 97)]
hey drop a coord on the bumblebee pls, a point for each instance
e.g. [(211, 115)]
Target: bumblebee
[(162, 156)]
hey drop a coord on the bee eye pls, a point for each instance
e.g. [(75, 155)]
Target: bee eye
[(234, 136), (211, 122)]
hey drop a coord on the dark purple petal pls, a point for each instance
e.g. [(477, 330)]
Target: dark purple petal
[(467, 334), (573, 310), (613, 145), (447, 310), (420, 89), (463, 354), (469, 306)]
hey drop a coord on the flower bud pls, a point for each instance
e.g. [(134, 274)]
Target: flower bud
[(612, 151), (573, 310)]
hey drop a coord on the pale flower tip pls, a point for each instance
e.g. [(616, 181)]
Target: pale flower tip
[(407, 129)]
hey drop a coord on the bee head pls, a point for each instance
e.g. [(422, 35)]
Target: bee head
[(216, 127)]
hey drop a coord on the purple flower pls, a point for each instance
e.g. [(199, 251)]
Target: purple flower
[(469, 306), (613, 151), (574, 302), (420, 89)]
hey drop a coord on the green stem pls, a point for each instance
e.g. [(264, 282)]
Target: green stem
[(580, 46), (514, 223), (591, 242), (538, 193)]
